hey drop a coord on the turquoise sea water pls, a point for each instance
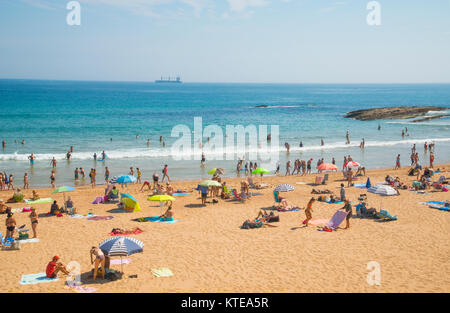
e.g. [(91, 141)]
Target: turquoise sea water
[(51, 116)]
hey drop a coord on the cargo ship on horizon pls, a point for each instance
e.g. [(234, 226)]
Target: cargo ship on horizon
[(169, 80)]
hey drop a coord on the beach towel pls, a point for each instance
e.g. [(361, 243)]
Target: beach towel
[(181, 194), (31, 240), (336, 220), (301, 183), (100, 218), (21, 210), (81, 216), (32, 279), (128, 233), (288, 210), (79, 288), (162, 272), (433, 202), (386, 215), (360, 186), (120, 261), (157, 219), (257, 194), (443, 208)]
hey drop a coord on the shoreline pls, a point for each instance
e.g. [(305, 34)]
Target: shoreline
[(229, 178)]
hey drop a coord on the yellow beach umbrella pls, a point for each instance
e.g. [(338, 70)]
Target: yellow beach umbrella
[(161, 198)]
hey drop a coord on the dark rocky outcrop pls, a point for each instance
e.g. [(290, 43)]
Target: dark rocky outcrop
[(392, 113)]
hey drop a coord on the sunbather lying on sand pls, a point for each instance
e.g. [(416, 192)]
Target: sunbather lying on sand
[(120, 231), (268, 218), (321, 192)]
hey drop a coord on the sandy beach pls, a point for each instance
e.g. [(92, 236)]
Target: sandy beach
[(208, 252)]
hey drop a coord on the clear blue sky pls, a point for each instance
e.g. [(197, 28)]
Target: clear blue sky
[(294, 41)]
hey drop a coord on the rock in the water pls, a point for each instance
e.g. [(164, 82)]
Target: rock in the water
[(392, 113)]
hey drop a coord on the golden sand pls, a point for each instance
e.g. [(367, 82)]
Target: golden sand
[(208, 252)]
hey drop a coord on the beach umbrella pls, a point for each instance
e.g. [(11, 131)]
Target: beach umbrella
[(383, 190), (130, 202), (125, 179), (260, 170), (121, 246), (352, 164), (161, 198), (211, 183), (64, 189), (218, 171), (284, 188), (327, 167)]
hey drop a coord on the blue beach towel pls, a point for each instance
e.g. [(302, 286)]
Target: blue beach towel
[(181, 194), (360, 186), (32, 279), (157, 219)]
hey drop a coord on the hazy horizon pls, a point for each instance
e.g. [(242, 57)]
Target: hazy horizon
[(227, 41)]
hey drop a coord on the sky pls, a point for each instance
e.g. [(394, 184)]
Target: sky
[(260, 41)]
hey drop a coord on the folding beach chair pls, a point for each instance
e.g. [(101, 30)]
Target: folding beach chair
[(325, 179), (319, 180)]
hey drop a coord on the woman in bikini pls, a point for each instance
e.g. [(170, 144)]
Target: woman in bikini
[(10, 225), (34, 221), (99, 260)]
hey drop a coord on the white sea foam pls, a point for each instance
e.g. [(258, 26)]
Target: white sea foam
[(167, 152)]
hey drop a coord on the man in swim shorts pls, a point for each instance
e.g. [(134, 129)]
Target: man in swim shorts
[(155, 180)]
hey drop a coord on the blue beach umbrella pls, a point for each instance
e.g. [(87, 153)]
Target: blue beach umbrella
[(125, 179), (368, 184), (125, 195)]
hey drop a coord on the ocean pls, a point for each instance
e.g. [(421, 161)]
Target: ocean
[(51, 116)]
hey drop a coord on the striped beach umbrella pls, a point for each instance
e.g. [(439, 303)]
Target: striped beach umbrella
[(121, 246), (284, 188)]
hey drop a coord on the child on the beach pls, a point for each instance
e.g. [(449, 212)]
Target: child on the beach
[(308, 211)]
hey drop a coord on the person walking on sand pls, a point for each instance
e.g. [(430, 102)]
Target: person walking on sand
[(94, 177), (106, 174), (26, 185), (288, 168), (348, 208), (308, 211), (397, 163), (34, 221), (139, 174), (99, 260), (342, 192), (165, 174), (431, 159), (349, 177)]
